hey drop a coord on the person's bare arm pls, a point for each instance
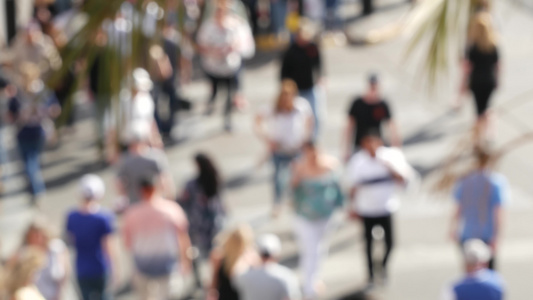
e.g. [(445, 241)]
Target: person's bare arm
[(216, 264), (353, 199), (184, 244), (498, 219), (467, 69), (454, 224), (259, 129), (168, 188), (396, 140), (310, 127), (65, 261), (347, 141), (108, 245)]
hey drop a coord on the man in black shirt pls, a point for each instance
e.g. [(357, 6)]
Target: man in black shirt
[(367, 113), (302, 64)]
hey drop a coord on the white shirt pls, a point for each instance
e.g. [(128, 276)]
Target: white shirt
[(140, 109), (375, 187), (235, 34), (289, 129)]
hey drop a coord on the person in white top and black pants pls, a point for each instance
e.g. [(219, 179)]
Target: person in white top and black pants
[(374, 175)]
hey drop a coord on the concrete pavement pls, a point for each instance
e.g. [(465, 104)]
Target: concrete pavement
[(424, 261)]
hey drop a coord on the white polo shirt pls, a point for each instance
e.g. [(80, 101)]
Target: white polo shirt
[(375, 186)]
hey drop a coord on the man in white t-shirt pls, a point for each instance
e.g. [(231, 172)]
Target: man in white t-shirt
[(374, 175)]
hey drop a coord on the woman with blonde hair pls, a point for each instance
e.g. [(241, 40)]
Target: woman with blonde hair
[(51, 278), (289, 125), (481, 66), (22, 270), (234, 257)]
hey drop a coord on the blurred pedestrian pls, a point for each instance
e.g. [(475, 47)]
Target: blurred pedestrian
[(481, 69), (269, 280), (28, 115), (479, 197), (52, 277), (317, 195), (223, 41), (155, 233), (5, 99), (369, 112), (141, 161), (374, 175), (90, 230), (302, 64), (289, 125), (22, 271), (235, 257), (138, 108), (204, 207), (478, 282)]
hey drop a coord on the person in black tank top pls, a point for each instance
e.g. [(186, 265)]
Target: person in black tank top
[(481, 67), (234, 257)]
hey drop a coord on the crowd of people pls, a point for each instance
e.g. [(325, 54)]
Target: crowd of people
[(165, 231)]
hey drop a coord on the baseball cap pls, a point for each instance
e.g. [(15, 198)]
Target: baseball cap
[(92, 187), (476, 252), (269, 245)]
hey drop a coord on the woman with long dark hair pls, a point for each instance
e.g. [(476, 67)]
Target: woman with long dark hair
[(202, 202)]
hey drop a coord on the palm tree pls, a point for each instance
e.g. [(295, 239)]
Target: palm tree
[(113, 35)]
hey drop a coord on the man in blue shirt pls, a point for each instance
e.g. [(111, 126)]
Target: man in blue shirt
[(479, 197), (479, 282)]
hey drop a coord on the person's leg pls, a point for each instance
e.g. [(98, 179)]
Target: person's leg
[(142, 286), (214, 89), (368, 7), (162, 286), (85, 288), (170, 90), (368, 226), (388, 228), (308, 244), (94, 288), (482, 94), (311, 97), (30, 153), (231, 85), (277, 160)]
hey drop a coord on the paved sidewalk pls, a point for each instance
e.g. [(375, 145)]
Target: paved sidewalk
[(424, 260)]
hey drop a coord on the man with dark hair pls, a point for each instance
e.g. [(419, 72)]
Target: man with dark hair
[(374, 174), (270, 281), (369, 112)]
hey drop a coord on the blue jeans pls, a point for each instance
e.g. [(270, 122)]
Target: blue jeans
[(281, 176), (311, 96), (165, 88), (332, 19), (94, 288), (278, 15), (30, 143)]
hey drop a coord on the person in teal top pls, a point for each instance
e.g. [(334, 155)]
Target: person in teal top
[(316, 197)]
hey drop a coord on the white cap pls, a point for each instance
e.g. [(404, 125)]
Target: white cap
[(92, 187), (141, 80), (476, 252), (269, 244)]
